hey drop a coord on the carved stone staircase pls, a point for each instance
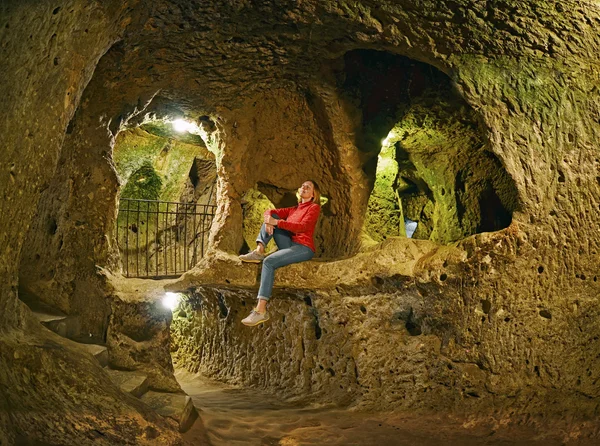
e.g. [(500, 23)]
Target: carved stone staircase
[(176, 406)]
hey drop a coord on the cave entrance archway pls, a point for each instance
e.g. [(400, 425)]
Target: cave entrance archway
[(425, 153), (168, 197)]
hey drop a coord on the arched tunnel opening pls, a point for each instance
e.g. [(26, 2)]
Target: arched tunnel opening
[(425, 153), (167, 198)]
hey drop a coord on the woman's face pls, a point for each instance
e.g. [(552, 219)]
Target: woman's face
[(307, 190)]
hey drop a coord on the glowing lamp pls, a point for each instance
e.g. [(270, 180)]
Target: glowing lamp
[(179, 125), (171, 300)]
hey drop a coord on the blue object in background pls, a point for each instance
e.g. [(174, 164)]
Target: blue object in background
[(411, 227)]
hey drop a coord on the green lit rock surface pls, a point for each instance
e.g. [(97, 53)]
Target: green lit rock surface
[(384, 214), (254, 204), (160, 155), (434, 165), (144, 184)]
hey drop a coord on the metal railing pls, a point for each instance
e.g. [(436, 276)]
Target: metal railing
[(161, 238)]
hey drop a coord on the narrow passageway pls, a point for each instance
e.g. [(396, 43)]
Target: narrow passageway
[(248, 416)]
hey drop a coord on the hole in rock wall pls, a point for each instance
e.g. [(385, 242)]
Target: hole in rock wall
[(52, 226), (410, 320), (318, 331), (223, 310), (167, 198), (486, 306), (424, 151), (412, 328)]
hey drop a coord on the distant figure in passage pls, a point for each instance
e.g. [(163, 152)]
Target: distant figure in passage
[(293, 229)]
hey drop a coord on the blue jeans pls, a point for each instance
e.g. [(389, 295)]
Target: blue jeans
[(287, 253)]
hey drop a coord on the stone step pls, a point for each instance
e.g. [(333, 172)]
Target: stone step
[(177, 406), (100, 352), (131, 382), (55, 323), (54, 319)]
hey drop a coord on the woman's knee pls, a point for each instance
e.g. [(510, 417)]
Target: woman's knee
[(268, 262)]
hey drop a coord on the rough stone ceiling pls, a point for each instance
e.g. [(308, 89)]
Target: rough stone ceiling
[(220, 50), (202, 57), (324, 29)]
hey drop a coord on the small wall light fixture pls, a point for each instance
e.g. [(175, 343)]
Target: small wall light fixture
[(171, 300)]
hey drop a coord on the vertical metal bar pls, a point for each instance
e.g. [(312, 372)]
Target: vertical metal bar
[(169, 238), (166, 242), (156, 254), (186, 265), (119, 241), (147, 230), (137, 241), (171, 242), (176, 237), (127, 241), (202, 233), (170, 254), (195, 235)]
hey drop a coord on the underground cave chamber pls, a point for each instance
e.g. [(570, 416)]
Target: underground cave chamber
[(425, 158), (422, 149), (486, 139), (426, 153)]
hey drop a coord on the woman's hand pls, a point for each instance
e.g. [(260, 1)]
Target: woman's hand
[(270, 221), (269, 229)]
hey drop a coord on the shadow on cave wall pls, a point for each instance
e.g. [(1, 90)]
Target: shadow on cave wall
[(424, 152)]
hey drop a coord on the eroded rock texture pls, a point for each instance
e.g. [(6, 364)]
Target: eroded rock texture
[(507, 322)]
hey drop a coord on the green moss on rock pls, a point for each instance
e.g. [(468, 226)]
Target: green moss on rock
[(440, 175), (170, 158), (384, 216), (143, 184), (254, 204)]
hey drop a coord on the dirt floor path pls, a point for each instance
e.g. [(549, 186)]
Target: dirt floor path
[(233, 416)]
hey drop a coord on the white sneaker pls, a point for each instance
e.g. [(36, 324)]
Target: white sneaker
[(255, 318), (252, 257)]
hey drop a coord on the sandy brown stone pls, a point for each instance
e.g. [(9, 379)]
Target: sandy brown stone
[(63, 396), (138, 333), (129, 382), (507, 320), (177, 407)]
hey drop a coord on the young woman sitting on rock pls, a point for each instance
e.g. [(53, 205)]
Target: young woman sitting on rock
[(293, 229)]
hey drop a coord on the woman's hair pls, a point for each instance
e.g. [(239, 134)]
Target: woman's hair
[(317, 192)]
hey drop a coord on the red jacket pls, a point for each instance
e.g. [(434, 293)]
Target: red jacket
[(300, 221)]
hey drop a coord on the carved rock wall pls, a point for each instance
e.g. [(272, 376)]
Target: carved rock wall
[(404, 326), (530, 70), (52, 392)]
